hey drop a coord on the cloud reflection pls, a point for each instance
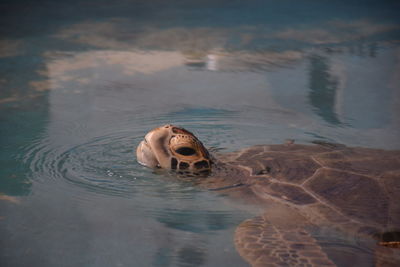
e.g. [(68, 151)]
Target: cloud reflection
[(133, 62), (118, 34), (226, 48), (243, 61)]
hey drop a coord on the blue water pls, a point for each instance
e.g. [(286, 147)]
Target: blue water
[(81, 82)]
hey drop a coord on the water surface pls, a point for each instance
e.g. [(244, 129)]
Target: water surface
[(81, 82)]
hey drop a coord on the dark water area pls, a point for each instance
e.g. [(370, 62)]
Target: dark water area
[(81, 82)]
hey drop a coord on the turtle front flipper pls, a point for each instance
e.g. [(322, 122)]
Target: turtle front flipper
[(261, 243)]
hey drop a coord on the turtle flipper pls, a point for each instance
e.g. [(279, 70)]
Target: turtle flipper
[(261, 243)]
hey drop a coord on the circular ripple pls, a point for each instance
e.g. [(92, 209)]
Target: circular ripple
[(105, 164)]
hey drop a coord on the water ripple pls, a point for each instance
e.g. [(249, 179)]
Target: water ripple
[(104, 164)]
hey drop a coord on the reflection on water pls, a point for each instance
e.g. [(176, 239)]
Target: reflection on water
[(80, 87), (323, 89)]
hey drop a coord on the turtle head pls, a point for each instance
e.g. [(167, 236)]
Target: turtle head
[(172, 147)]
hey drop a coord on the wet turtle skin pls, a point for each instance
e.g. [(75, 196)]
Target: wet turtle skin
[(301, 188)]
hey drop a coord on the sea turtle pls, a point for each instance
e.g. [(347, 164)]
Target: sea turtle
[(303, 190)]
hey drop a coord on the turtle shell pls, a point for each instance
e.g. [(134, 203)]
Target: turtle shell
[(360, 183), (352, 189)]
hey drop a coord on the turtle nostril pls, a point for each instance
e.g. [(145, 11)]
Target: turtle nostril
[(185, 151)]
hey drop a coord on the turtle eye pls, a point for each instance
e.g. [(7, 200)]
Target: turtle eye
[(185, 151)]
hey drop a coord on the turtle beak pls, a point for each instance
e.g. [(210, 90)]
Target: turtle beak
[(145, 155)]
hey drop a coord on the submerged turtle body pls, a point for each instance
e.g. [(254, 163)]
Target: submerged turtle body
[(301, 187), (356, 190)]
